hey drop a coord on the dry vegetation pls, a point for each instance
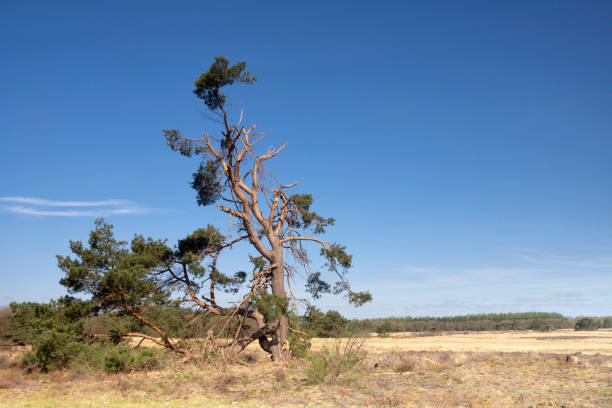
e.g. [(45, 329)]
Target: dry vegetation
[(559, 341), (511, 369)]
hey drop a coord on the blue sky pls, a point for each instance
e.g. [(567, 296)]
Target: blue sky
[(463, 148)]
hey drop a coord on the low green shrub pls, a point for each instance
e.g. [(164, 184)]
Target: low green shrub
[(384, 329), (52, 350), (51, 353), (28, 359), (317, 371), (329, 364), (120, 358), (117, 361), (299, 346), (55, 330)]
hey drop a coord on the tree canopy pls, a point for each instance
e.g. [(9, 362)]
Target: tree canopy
[(147, 274), (276, 224)]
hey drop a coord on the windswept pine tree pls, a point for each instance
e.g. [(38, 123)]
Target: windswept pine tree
[(270, 219), (145, 276)]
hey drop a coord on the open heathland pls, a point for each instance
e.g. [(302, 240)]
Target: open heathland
[(485, 369), (559, 341)]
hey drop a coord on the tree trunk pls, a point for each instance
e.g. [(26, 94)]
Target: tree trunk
[(280, 347)]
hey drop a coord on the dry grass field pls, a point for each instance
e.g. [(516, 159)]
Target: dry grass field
[(484, 369), (559, 341)]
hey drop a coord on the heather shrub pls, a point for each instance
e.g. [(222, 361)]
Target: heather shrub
[(329, 364)]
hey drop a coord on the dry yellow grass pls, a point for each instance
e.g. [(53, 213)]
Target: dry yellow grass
[(487, 380), (488, 370), (559, 341)]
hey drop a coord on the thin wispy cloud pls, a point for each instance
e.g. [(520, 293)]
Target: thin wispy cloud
[(36, 206), (74, 213), (53, 203)]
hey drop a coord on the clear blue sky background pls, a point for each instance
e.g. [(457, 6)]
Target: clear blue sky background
[(463, 147)]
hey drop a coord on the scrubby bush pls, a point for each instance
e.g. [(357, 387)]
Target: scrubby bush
[(299, 344), (54, 329), (64, 316), (52, 353), (56, 332), (384, 329), (329, 364), (54, 349), (123, 358), (116, 361)]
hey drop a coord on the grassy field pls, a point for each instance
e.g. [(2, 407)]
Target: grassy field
[(559, 341), (484, 369)]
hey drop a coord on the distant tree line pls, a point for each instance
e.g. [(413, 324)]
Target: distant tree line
[(332, 323), (593, 323), (539, 321), (474, 322)]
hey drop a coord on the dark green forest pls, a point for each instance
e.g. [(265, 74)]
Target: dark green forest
[(332, 323)]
